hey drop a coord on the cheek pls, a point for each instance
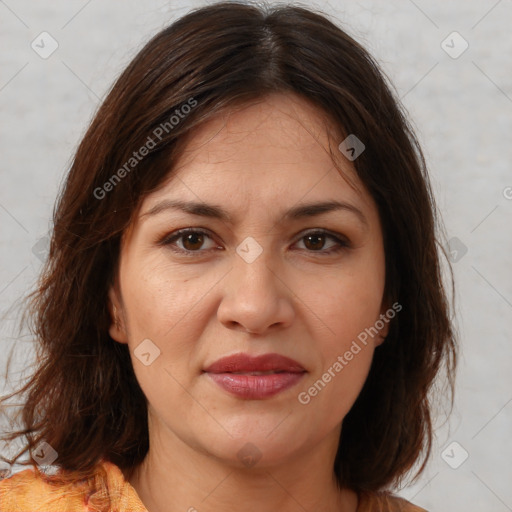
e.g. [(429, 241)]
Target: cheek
[(348, 308), (347, 303), (160, 300), (331, 393), (346, 350), (169, 310)]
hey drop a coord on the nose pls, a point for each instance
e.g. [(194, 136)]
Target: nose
[(255, 297)]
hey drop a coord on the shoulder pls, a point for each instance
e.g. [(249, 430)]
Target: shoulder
[(30, 490), (385, 502)]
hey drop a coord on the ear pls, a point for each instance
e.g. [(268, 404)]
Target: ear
[(117, 328), (383, 319)]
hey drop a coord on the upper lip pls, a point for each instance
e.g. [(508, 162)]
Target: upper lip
[(247, 363)]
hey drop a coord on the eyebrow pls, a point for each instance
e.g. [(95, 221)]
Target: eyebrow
[(217, 212)]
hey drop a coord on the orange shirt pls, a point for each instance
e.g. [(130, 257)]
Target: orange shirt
[(26, 491)]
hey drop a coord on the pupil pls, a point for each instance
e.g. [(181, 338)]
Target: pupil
[(193, 241)]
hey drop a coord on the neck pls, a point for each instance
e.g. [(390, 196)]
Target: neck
[(174, 477)]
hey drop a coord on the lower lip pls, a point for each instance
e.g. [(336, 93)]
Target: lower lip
[(255, 387)]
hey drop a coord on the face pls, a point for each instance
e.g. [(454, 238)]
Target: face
[(255, 274)]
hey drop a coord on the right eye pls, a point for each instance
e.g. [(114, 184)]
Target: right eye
[(187, 241)]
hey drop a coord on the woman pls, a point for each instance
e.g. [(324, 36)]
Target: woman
[(242, 305)]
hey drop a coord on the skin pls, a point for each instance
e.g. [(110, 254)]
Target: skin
[(295, 299)]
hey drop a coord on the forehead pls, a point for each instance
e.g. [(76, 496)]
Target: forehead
[(279, 147), (271, 127)]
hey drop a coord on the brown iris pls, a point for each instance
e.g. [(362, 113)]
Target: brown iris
[(193, 241), (317, 241)]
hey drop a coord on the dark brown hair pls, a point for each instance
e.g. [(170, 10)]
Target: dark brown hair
[(84, 399)]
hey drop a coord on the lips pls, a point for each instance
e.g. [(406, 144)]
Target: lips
[(255, 377), (244, 363)]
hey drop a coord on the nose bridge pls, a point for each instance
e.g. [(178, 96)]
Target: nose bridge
[(253, 272)]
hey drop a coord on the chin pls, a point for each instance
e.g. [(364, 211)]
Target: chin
[(255, 445)]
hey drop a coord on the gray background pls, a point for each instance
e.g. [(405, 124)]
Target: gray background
[(461, 108)]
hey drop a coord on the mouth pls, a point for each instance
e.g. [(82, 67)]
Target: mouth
[(257, 373), (245, 364), (255, 377)]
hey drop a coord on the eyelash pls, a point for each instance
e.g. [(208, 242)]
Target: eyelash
[(169, 239)]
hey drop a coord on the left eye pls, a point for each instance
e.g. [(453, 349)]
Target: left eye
[(315, 241), (192, 241)]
